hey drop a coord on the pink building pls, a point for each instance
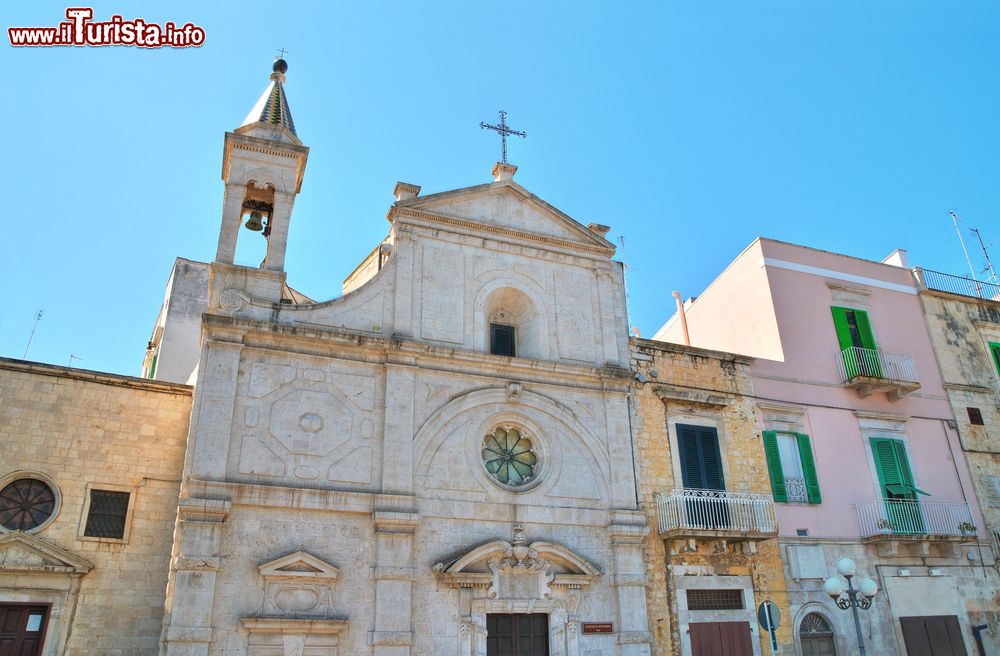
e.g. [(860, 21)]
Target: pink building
[(861, 445)]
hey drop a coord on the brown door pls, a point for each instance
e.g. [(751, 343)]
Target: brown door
[(933, 635), (720, 639), (517, 635), (22, 629)]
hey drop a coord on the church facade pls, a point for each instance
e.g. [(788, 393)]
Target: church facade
[(439, 461)]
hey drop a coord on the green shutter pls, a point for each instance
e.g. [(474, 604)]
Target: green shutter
[(808, 468), (840, 324), (864, 329), (885, 463), (701, 461), (995, 350), (774, 466)]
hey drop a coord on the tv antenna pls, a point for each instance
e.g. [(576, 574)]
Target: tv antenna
[(73, 357), (38, 317), (955, 220), (986, 254)]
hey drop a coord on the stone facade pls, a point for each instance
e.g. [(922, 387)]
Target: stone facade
[(962, 329), (674, 384), (77, 431), (340, 495)]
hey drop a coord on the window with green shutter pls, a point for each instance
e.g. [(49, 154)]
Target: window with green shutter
[(895, 479), (792, 467), (856, 341), (701, 459), (995, 352)]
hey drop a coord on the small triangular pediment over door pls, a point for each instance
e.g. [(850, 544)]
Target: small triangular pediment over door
[(23, 553), (300, 565), (505, 209)]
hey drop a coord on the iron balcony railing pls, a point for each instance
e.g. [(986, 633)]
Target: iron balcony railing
[(946, 282), (715, 510), (908, 517), (855, 361)]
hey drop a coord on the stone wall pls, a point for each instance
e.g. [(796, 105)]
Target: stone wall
[(675, 381), (80, 429), (961, 330)]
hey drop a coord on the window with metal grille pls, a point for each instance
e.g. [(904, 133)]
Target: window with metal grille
[(501, 339), (106, 518), (975, 416), (715, 599)]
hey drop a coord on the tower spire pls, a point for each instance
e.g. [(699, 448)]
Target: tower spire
[(271, 110)]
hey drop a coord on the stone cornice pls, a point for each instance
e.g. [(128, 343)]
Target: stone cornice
[(279, 496), (358, 346), (100, 377), (670, 347), (398, 212)]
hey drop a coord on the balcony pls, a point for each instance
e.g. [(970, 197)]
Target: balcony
[(715, 515), (870, 370), (959, 285), (897, 522)]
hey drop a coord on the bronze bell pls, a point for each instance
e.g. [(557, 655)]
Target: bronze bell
[(254, 222)]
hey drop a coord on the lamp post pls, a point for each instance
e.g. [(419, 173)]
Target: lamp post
[(862, 597)]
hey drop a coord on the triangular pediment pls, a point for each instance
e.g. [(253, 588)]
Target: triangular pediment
[(508, 207), (25, 553), (298, 565)]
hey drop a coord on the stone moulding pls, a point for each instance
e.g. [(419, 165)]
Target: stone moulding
[(22, 553), (294, 625)]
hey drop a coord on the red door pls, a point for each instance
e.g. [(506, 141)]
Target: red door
[(22, 629), (720, 639)]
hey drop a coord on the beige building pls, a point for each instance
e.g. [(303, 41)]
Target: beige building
[(963, 319), (90, 469), (712, 556)]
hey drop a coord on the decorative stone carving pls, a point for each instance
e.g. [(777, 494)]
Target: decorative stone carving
[(232, 300), (298, 584), (22, 553)]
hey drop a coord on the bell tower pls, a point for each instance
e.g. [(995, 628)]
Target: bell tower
[(263, 162)]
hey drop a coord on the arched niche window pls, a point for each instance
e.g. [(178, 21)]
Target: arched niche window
[(816, 636), (513, 324)]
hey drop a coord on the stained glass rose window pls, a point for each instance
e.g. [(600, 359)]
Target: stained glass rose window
[(509, 457), (25, 504)]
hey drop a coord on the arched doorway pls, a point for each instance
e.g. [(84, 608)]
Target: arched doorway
[(816, 636)]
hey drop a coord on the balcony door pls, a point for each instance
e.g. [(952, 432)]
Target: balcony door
[(701, 470), (896, 483), (857, 343)]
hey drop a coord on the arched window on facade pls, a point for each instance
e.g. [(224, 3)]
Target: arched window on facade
[(816, 636)]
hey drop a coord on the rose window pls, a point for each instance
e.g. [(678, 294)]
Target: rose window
[(26, 504), (509, 457)]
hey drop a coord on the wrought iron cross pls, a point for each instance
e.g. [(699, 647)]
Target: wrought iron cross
[(281, 53), (503, 130)]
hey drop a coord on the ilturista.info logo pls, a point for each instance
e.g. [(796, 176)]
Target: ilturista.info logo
[(81, 30)]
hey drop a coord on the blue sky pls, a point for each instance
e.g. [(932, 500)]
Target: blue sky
[(689, 127)]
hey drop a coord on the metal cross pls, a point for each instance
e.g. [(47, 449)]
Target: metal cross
[(503, 130), (281, 53)]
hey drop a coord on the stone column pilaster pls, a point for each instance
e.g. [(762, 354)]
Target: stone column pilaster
[(232, 206), (277, 241), (628, 533), (194, 566), (392, 633)]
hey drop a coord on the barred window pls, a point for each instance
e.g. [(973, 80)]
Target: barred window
[(106, 518), (731, 599)]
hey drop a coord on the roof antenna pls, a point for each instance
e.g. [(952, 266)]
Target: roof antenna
[(986, 254), (38, 317), (955, 220), (73, 356)]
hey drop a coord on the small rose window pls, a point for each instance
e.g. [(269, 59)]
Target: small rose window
[(25, 504), (509, 457)]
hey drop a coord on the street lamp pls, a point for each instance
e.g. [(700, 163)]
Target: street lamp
[(862, 597)]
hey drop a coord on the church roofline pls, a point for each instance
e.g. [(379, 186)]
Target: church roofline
[(424, 207)]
